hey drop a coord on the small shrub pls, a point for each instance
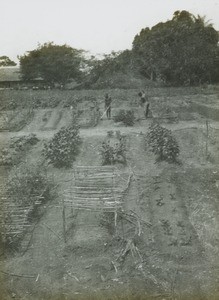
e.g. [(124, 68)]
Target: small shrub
[(112, 154), (62, 150), (125, 116), (166, 226), (27, 182), (110, 133), (162, 143), (107, 153)]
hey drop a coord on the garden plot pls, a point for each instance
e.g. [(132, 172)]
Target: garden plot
[(165, 245), (15, 120), (16, 148), (51, 120), (88, 114), (48, 120), (54, 119)]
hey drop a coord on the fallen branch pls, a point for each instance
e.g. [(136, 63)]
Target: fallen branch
[(18, 275), (37, 277), (72, 276), (125, 251), (116, 270), (134, 216), (139, 254), (147, 223)]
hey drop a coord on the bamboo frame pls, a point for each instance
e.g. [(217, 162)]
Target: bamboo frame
[(94, 189)]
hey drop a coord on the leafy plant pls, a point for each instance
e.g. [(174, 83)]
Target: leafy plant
[(110, 133), (62, 150), (125, 116), (112, 154), (107, 153), (166, 226), (162, 143), (26, 183)]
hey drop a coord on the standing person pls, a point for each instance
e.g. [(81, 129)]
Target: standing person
[(146, 108), (142, 96), (108, 101), (144, 102)]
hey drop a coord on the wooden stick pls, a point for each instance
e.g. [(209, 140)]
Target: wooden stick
[(19, 275), (206, 146), (52, 231), (114, 266), (72, 276), (63, 219)]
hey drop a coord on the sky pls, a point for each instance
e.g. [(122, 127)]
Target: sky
[(98, 26)]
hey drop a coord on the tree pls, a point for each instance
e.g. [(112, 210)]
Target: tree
[(112, 63), (5, 61), (181, 51), (53, 63)]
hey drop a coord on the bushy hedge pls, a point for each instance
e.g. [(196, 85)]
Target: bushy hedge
[(162, 143), (62, 150), (125, 116)]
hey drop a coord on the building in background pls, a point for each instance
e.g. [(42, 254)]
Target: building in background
[(10, 78)]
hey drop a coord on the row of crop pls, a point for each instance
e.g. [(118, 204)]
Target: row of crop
[(16, 149), (64, 147), (15, 120), (11, 99)]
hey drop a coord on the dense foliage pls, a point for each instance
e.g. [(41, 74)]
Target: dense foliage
[(125, 116), (5, 61), (102, 71), (62, 150), (53, 63), (181, 51), (114, 62), (162, 143)]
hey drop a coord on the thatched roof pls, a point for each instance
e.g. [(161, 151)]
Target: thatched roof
[(10, 74)]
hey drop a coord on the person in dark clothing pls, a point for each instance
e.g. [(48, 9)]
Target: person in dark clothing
[(108, 101), (144, 102), (142, 98), (147, 105)]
